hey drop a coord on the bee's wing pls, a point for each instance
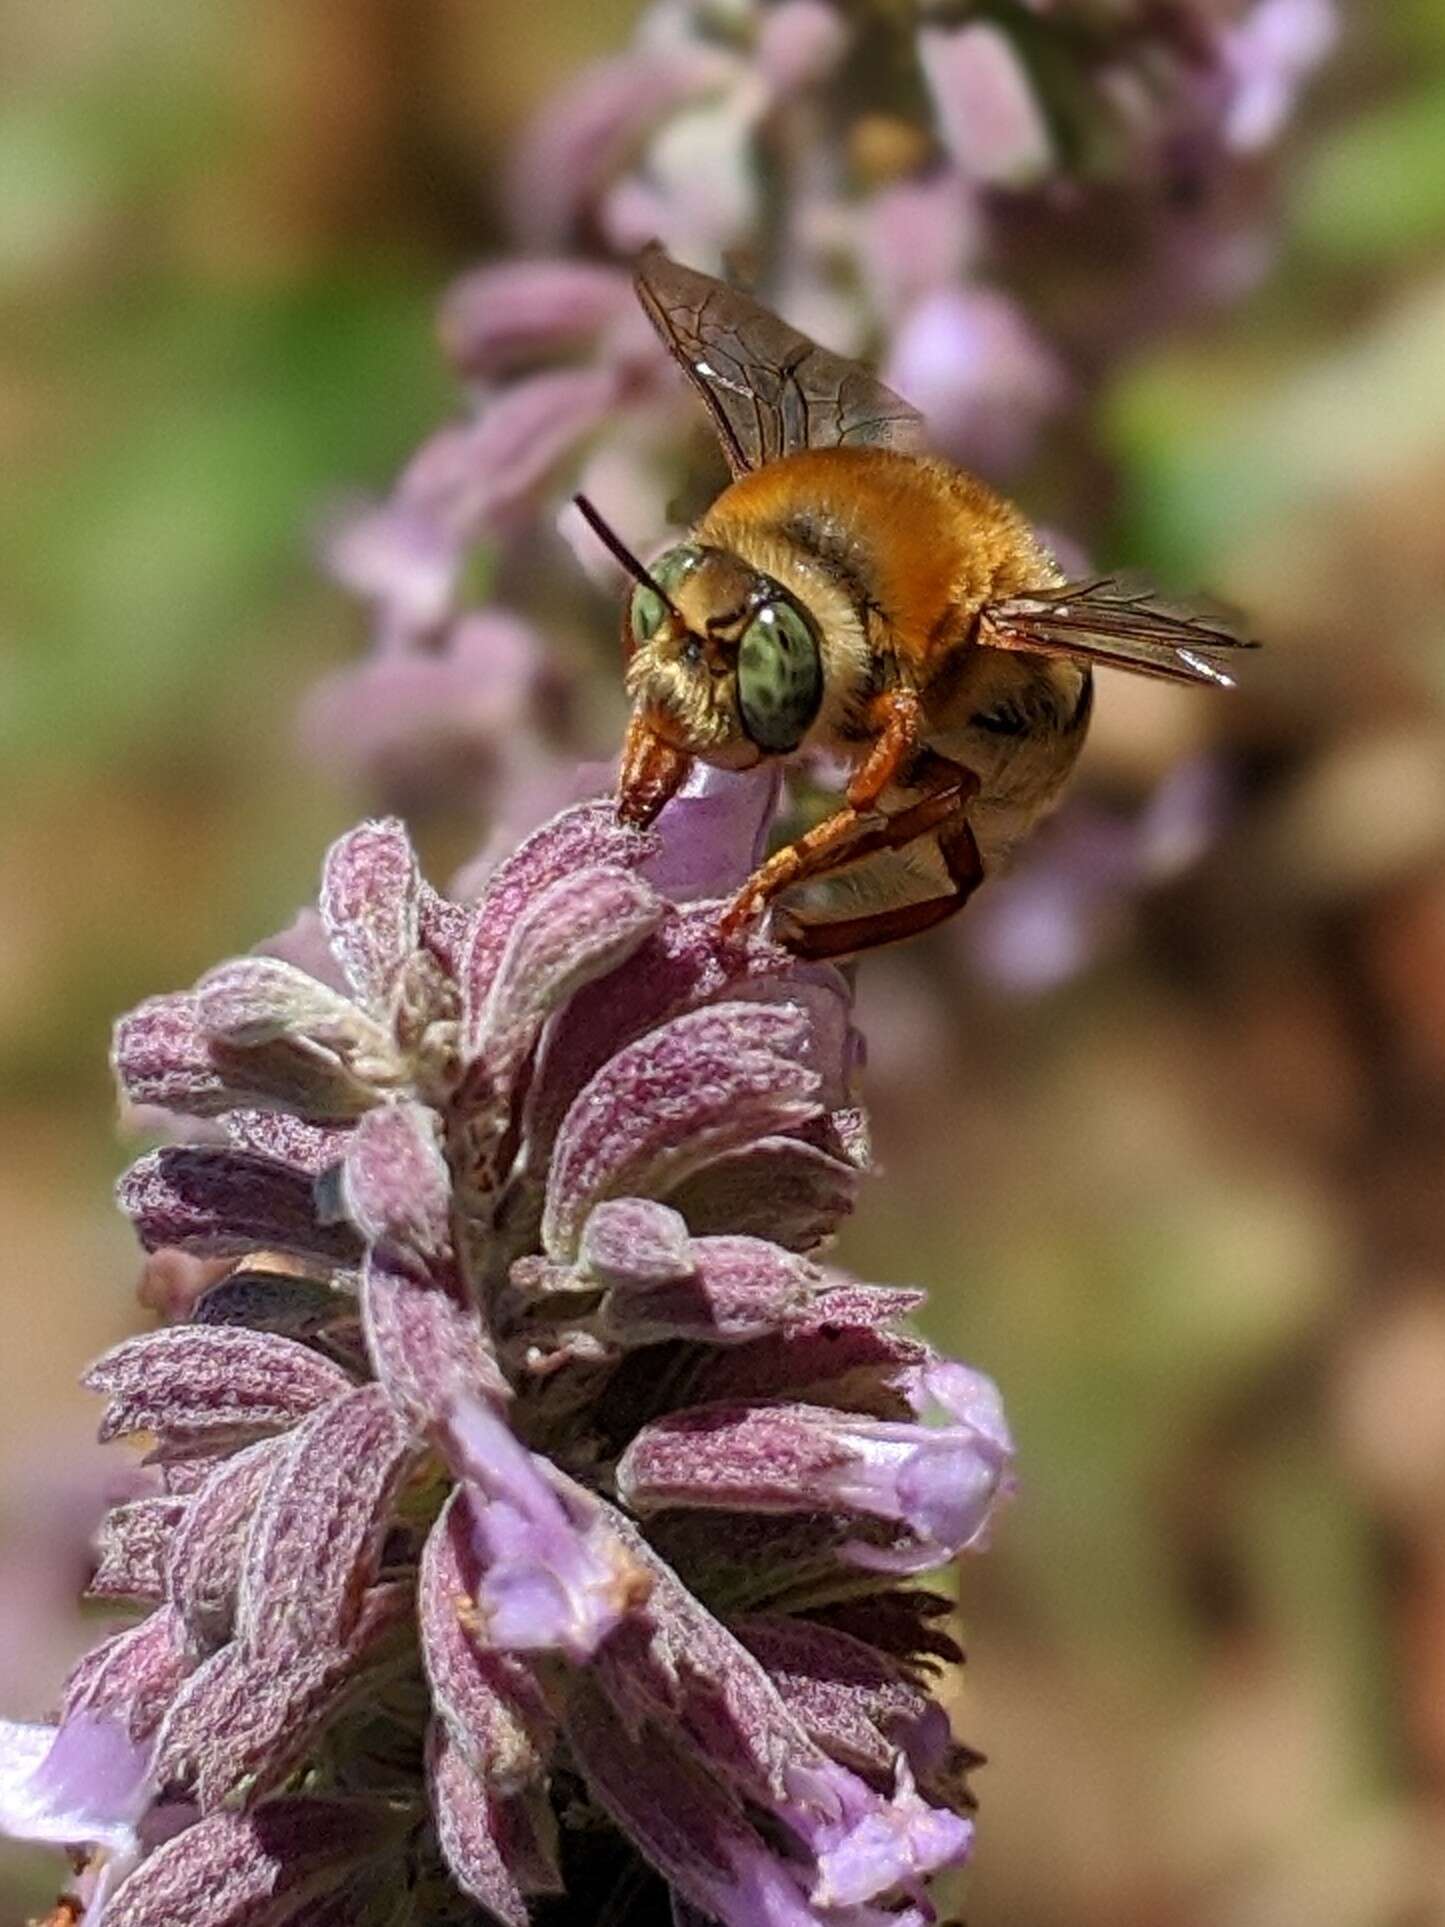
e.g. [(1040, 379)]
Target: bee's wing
[(769, 390), (1121, 624)]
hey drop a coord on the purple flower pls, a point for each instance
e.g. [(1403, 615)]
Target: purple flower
[(598, 121), (84, 1780), (1268, 57), (513, 1208), (460, 716), (987, 110), (934, 1487), (499, 320), (552, 1577), (980, 376)]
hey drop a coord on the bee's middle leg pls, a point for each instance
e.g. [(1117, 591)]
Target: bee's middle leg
[(854, 829)]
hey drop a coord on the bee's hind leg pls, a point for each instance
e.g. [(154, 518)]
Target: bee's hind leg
[(847, 936), (856, 831)]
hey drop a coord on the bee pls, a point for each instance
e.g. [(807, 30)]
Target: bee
[(850, 594)]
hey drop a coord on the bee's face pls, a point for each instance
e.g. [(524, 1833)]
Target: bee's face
[(732, 672)]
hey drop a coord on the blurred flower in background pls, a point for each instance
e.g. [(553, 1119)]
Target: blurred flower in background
[(1179, 285)]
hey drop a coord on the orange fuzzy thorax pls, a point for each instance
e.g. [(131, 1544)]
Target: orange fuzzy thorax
[(926, 544)]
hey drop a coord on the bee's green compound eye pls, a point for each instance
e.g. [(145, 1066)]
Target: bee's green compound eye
[(648, 608), (647, 613), (780, 677)]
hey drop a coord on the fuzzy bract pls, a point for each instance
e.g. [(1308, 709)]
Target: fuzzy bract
[(514, 1209)]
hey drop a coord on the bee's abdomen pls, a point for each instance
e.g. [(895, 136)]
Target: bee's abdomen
[(1018, 722)]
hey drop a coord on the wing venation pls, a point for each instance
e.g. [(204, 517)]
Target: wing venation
[(1122, 625), (770, 390)]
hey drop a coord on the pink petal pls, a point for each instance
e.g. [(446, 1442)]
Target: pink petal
[(369, 893), (203, 1577), (398, 555), (685, 962), (799, 44), (575, 931), (735, 1289), (839, 1351), (316, 1540), (708, 1083), (446, 929), (941, 1483), (585, 835), (635, 1243), (736, 1458), (478, 479), (228, 1203), (131, 1677), (491, 1701), (917, 237), (498, 319), (439, 720), (310, 1148), (254, 1000), (588, 130), (274, 1029), (160, 1056), (214, 1382), (395, 1184), (987, 110), (553, 1577), (983, 379), (714, 831), (1269, 54), (426, 1341), (85, 1782)]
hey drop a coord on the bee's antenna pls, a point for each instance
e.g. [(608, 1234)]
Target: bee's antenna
[(620, 553)]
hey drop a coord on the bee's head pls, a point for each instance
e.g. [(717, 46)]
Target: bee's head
[(725, 662)]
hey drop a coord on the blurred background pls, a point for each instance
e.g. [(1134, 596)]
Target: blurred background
[(1162, 1126)]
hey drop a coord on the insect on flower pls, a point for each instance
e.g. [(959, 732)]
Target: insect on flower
[(849, 594)]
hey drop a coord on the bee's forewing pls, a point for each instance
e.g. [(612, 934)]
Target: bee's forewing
[(1120, 624), (770, 390)]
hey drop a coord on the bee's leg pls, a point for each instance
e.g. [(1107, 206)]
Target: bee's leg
[(847, 936), (943, 814), (858, 830), (899, 716)]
